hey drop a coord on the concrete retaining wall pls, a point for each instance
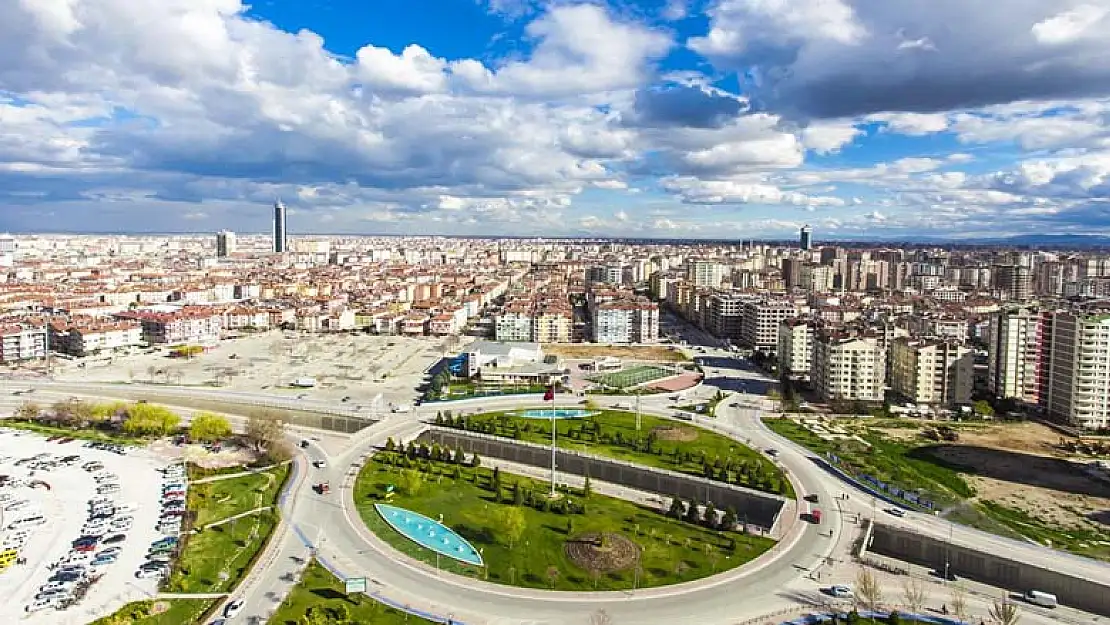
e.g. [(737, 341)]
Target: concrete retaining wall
[(991, 568), (757, 508)]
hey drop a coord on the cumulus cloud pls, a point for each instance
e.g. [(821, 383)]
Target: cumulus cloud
[(843, 58)]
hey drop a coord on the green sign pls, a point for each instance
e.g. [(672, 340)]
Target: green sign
[(354, 585)]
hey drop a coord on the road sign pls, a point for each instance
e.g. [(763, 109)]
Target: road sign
[(354, 585)]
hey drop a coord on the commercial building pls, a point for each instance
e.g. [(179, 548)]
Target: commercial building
[(932, 371), (805, 238), (225, 243), (280, 242), (848, 365)]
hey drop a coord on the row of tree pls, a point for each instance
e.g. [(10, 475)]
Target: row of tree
[(708, 517)]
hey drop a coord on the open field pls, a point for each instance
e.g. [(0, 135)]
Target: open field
[(632, 376), (175, 612), (554, 549), (661, 443), (215, 559), (587, 351), (356, 365), (319, 590), (1006, 478)]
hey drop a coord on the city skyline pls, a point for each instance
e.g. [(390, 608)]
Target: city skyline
[(666, 119)]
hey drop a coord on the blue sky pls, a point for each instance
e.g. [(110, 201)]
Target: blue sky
[(661, 118)]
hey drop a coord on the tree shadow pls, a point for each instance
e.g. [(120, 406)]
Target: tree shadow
[(475, 535), (330, 594)]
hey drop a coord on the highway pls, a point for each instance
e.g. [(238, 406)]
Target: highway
[(329, 527)]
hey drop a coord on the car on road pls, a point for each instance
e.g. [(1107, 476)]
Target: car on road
[(233, 608), (898, 512), (320, 464), (840, 592), (811, 498)]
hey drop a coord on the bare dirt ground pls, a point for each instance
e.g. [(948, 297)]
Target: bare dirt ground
[(628, 352)]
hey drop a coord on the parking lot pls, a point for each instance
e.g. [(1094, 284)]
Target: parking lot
[(81, 519)]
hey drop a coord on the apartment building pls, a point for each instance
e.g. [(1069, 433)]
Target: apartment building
[(1017, 366), (1078, 388), (724, 314), (795, 347), (1013, 282), (82, 337), (20, 342), (848, 365), (626, 321), (188, 325), (705, 273), (552, 325), (760, 326), (932, 370), (513, 325)]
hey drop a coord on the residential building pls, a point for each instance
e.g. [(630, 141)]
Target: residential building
[(932, 370), (1078, 389), (760, 326), (187, 325), (81, 337), (705, 273), (848, 366), (22, 341), (795, 347), (513, 325), (1014, 282), (1017, 356), (627, 320)]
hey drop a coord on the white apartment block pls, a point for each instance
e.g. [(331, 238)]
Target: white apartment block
[(20, 342), (85, 338), (705, 273), (513, 326), (1078, 389), (626, 322), (760, 327), (795, 347), (847, 366), (932, 371), (1016, 363)]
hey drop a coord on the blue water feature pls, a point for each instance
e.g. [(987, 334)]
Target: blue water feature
[(429, 534), (560, 413)]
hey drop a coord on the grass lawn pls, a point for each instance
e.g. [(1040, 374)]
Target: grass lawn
[(661, 443), (632, 376), (230, 547), (218, 500), (85, 434), (195, 472), (320, 590), (899, 463), (178, 612), (671, 551)]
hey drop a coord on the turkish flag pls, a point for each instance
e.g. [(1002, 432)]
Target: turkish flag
[(549, 394)]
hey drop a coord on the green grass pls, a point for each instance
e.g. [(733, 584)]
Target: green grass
[(674, 551), (903, 464), (618, 438), (1084, 542), (179, 612), (220, 499), (320, 590), (86, 434), (230, 547), (195, 472)]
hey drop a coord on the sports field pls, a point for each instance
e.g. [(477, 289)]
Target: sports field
[(632, 376)]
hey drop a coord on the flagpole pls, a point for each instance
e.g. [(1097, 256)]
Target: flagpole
[(552, 440)]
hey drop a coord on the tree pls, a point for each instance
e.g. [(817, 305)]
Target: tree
[(390, 445), (959, 603), (411, 481), (868, 589), (552, 575), (209, 427), (512, 523), (106, 411), (730, 519), (1005, 612), (677, 509), (149, 419), (983, 408), (914, 595), (264, 430), (29, 411)]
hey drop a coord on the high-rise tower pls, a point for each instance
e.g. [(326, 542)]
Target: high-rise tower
[(279, 227), (806, 238), (225, 243)]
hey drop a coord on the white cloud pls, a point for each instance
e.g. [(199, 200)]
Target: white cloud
[(827, 137), (1069, 26), (912, 124), (698, 191)]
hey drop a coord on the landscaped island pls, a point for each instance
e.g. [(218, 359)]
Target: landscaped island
[(577, 541), (660, 443)]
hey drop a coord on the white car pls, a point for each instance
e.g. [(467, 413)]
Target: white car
[(43, 604), (233, 608), (147, 571)]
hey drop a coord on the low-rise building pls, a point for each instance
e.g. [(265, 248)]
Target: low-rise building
[(83, 337), (21, 341), (188, 325)]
